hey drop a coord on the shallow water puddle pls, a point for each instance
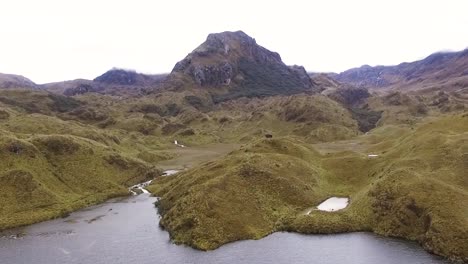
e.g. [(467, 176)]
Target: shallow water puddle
[(332, 204)]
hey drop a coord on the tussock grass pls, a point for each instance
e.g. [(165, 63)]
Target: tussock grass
[(60, 154), (416, 189), (52, 166)]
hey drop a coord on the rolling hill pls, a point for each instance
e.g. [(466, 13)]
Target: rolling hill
[(12, 81), (70, 144)]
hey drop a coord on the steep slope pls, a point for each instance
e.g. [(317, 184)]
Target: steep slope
[(236, 66)]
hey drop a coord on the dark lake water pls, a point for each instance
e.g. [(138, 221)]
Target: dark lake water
[(126, 231)]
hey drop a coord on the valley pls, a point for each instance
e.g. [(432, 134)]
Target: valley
[(257, 144)]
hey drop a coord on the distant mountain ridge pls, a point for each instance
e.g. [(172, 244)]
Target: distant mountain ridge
[(9, 81), (127, 77), (114, 81), (230, 65), (436, 68)]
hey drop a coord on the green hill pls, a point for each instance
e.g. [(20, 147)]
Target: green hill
[(415, 189), (51, 166)]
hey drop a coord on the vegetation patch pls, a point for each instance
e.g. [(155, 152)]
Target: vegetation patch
[(267, 186), (4, 114), (170, 129), (57, 145), (367, 119), (62, 103)]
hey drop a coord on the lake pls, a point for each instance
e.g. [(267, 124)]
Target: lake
[(126, 230)]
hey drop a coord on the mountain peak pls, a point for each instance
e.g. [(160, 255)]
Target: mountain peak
[(235, 60), (221, 42), (235, 44), (227, 47)]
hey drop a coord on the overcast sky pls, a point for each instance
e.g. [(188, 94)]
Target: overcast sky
[(55, 40)]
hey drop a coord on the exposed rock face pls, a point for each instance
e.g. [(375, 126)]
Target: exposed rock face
[(214, 75), (213, 63), (235, 60), (301, 72)]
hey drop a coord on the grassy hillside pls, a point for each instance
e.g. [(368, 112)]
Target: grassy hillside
[(52, 166), (415, 189), (192, 116), (47, 176), (231, 199)]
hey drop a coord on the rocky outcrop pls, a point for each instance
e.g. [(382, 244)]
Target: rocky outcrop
[(214, 62), (208, 75), (301, 72), (236, 61)]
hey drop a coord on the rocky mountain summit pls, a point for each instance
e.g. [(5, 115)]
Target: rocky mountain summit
[(234, 60)]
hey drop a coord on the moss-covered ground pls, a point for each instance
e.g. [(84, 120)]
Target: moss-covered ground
[(415, 189)]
